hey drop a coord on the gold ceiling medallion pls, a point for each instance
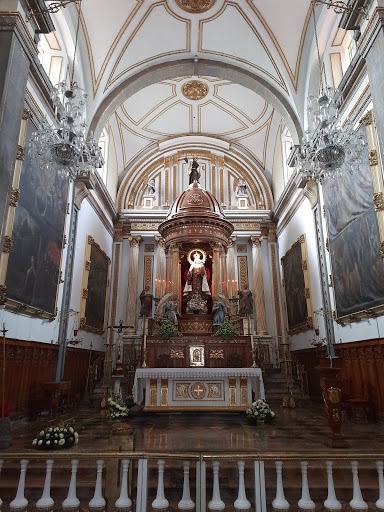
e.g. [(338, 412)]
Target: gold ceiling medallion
[(195, 90), (195, 6)]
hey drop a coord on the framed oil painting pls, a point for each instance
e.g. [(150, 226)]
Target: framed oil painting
[(298, 303), (354, 243), (93, 303), (33, 269)]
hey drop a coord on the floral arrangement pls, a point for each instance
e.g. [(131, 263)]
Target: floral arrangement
[(116, 408), (196, 304), (260, 410), (167, 329), (226, 330), (62, 436)]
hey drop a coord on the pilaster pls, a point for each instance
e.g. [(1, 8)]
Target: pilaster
[(133, 273), (258, 286)]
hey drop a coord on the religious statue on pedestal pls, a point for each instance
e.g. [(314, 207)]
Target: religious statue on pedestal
[(241, 187), (146, 298), (193, 170), (196, 286), (151, 188)]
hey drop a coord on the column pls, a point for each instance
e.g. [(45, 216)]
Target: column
[(160, 284), (168, 273), (231, 267), (258, 286), (167, 164), (223, 262), (274, 259), (13, 80), (175, 276), (216, 269), (133, 272)]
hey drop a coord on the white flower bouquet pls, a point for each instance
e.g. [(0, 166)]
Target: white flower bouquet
[(260, 410), (62, 436), (116, 408)]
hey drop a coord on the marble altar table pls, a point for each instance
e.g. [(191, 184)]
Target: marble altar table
[(198, 388)]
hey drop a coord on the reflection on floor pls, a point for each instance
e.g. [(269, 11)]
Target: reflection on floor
[(294, 430)]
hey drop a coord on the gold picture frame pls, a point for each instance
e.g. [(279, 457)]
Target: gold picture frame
[(297, 289), (94, 290)]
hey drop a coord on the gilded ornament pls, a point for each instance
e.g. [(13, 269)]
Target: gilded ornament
[(26, 114), (87, 266), (195, 199), (83, 322), (367, 119), (335, 415), (90, 240), (65, 241), (85, 293), (304, 264), (20, 155), (216, 353), (307, 293), (256, 241), (378, 201), (334, 395), (8, 244), (160, 242), (177, 353), (195, 90), (198, 390), (195, 6), (149, 247), (382, 249), (301, 239), (214, 390), (241, 248), (15, 196), (134, 241), (373, 157), (327, 244), (310, 322), (3, 294)]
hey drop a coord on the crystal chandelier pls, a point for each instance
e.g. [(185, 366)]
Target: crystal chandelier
[(327, 144), (64, 148)]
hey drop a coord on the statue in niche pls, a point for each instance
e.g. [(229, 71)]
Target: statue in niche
[(151, 187), (218, 310), (193, 170), (241, 187), (171, 311), (245, 303), (197, 276), (146, 299)]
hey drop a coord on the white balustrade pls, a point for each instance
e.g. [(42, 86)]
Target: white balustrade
[(216, 502), (331, 503), (160, 503), (305, 502), (241, 503), (380, 501), (97, 503), (72, 502), (20, 502), (186, 503), (124, 503), (279, 503), (45, 503), (357, 501)]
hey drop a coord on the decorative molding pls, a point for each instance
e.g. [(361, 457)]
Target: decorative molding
[(195, 90), (149, 247), (378, 201), (14, 198), (8, 244), (216, 353), (255, 241), (134, 241), (177, 353), (373, 157), (3, 294), (81, 192), (26, 114), (310, 192), (87, 266), (246, 226), (148, 273), (367, 119), (242, 265)]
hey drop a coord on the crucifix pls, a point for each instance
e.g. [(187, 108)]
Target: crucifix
[(120, 329)]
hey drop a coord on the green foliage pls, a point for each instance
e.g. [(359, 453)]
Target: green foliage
[(226, 330), (167, 329)]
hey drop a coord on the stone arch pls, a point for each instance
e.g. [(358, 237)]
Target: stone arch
[(204, 67)]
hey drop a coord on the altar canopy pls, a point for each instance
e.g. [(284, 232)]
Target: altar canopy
[(198, 388)]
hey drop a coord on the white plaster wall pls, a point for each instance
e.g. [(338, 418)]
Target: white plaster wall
[(88, 224), (303, 223)]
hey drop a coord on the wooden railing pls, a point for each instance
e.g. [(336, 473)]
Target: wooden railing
[(124, 480)]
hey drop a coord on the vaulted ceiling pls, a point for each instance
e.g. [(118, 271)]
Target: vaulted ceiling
[(251, 56)]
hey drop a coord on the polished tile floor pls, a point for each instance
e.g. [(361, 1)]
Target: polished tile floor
[(294, 430)]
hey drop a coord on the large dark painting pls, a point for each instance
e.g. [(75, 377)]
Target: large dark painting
[(34, 264), (95, 305), (297, 297), (354, 241)]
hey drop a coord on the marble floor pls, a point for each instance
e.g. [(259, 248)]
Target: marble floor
[(303, 429)]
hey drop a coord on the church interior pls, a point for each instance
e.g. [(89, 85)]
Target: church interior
[(191, 190)]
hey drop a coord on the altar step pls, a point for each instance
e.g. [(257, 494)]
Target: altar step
[(275, 387)]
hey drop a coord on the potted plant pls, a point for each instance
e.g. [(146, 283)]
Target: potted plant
[(116, 408), (167, 329), (226, 330)]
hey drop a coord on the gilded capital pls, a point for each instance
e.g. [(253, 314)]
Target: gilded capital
[(160, 242), (118, 232), (20, 155), (134, 241), (216, 246), (367, 119), (8, 244), (231, 242), (255, 241), (378, 201)]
